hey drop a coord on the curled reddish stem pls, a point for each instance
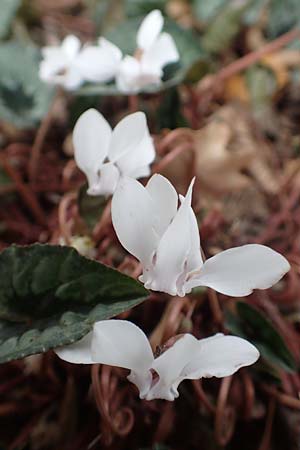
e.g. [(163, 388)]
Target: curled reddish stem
[(225, 414), (117, 420)]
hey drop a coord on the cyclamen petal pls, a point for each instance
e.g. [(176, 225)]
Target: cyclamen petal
[(106, 181), (172, 262), (169, 367), (105, 155), (155, 51), (122, 344), (135, 163), (220, 356), (91, 138), (165, 200), (127, 135), (237, 271), (98, 64), (162, 52), (170, 258), (78, 353), (58, 65), (150, 29), (134, 221)]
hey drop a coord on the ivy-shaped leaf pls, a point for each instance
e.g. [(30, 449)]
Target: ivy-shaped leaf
[(251, 324), (24, 99), (51, 296), (124, 36)]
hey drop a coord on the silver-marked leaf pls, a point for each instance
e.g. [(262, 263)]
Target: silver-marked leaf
[(24, 99), (51, 296)]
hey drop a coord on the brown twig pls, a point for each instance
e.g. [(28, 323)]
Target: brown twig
[(284, 399), (39, 139), (225, 414), (249, 59), (266, 439), (25, 192)]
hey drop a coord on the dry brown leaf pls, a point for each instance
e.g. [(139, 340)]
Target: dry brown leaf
[(235, 88), (281, 63), (227, 155), (226, 148)]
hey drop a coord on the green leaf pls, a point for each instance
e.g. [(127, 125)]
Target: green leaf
[(24, 99), (262, 86), (134, 8), (51, 296), (168, 114), (224, 28), (206, 10), (124, 36), (90, 207), (283, 15), (255, 10), (8, 11), (251, 324), (5, 180)]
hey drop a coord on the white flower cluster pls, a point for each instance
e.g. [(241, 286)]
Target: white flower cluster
[(71, 64), (159, 228)]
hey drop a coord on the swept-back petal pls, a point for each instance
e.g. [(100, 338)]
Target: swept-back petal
[(133, 219), (161, 53), (172, 251), (72, 79), (138, 156), (237, 271), (194, 258), (165, 198), (220, 356), (122, 344), (149, 29), (127, 78), (54, 61), (114, 51), (71, 46), (91, 137), (97, 64), (127, 136), (77, 353), (169, 367)]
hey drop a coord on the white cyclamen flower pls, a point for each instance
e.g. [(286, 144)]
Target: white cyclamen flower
[(155, 51), (59, 64), (99, 63), (104, 154), (165, 239), (120, 343)]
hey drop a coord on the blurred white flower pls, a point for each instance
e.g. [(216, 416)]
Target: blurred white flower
[(155, 50), (69, 64), (122, 344), (58, 66), (104, 154), (165, 239), (99, 63)]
